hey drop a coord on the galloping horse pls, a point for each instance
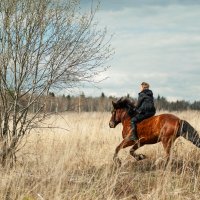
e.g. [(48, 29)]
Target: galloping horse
[(165, 128)]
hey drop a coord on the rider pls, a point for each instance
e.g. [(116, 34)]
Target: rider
[(144, 108)]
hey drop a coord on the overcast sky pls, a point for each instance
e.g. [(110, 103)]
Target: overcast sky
[(154, 41)]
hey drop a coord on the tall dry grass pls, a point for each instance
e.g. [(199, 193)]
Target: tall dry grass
[(56, 164)]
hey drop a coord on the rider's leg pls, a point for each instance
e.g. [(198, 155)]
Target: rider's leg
[(134, 129), (138, 118)]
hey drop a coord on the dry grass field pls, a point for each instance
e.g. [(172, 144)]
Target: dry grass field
[(56, 164)]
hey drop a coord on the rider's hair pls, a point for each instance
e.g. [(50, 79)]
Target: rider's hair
[(145, 85)]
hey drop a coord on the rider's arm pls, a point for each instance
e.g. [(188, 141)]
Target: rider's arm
[(140, 100)]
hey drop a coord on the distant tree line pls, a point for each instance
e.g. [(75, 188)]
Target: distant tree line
[(179, 105), (103, 103)]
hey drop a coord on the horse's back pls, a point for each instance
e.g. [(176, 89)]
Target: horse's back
[(162, 117), (158, 121), (166, 116)]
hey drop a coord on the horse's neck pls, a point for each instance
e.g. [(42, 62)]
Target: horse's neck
[(124, 116), (126, 122)]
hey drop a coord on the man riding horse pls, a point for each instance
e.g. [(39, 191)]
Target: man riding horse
[(145, 108), (164, 128)]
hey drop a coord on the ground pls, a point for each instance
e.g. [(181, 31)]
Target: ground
[(56, 164)]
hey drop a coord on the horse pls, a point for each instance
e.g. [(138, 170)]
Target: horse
[(165, 128)]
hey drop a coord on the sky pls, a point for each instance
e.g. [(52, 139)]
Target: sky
[(156, 41)]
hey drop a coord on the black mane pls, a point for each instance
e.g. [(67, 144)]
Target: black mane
[(126, 104)]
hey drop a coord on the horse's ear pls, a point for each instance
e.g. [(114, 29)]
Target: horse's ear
[(114, 104), (120, 100)]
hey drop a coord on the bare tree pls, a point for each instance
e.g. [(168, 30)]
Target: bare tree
[(44, 44)]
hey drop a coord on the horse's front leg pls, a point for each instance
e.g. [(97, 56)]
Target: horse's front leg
[(125, 143)]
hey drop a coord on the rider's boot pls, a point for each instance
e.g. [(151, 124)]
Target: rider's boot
[(133, 131)]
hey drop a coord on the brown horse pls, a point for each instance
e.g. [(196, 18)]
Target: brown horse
[(165, 128)]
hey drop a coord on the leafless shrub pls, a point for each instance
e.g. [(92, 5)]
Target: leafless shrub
[(44, 44)]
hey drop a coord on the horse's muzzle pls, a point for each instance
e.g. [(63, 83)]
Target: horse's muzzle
[(112, 124)]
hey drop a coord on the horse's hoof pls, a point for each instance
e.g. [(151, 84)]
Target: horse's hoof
[(139, 157), (142, 157)]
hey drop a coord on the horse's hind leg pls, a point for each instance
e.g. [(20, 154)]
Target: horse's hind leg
[(136, 156), (167, 144)]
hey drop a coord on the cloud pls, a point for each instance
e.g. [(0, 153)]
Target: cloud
[(118, 4), (155, 41)]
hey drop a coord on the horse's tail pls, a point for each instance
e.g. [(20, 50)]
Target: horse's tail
[(189, 133)]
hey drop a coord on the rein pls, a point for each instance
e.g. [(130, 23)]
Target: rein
[(130, 111)]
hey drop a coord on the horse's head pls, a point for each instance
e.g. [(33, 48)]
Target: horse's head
[(122, 108)]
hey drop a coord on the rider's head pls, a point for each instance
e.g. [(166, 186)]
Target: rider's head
[(144, 86)]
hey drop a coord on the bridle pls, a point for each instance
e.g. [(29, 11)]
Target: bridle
[(114, 121), (113, 112), (128, 111)]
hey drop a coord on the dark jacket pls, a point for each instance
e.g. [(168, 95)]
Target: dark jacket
[(145, 102)]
